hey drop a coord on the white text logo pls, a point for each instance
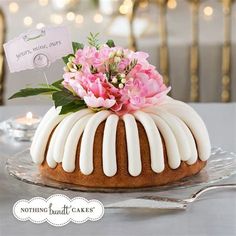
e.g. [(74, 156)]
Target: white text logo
[(58, 210)]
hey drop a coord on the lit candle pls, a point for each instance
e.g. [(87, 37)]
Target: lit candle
[(22, 128), (28, 119)]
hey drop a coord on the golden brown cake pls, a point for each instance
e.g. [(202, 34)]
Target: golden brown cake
[(147, 148)]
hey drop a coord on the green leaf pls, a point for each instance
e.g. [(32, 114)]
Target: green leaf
[(27, 92), (65, 58), (72, 107), (58, 84), (93, 40), (76, 46), (51, 86), (110, 43), (63, 97)]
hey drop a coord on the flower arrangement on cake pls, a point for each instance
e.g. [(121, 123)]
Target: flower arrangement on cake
[(103, 76), (113, 125)]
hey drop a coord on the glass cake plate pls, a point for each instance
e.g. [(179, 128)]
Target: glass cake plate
[(221, 165)]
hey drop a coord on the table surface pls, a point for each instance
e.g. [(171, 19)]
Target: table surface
[(213, 214)]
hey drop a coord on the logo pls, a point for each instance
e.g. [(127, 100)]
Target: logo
[(58, 210)]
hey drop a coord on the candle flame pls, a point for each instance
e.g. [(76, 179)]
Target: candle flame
[(29, 115)]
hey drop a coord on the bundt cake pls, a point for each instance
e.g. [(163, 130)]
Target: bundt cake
[(149, 147), (113, 125)]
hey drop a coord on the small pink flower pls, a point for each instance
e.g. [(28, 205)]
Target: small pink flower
[(123, 64), (85, 55)]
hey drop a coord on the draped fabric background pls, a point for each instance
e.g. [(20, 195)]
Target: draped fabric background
[(179, 39)]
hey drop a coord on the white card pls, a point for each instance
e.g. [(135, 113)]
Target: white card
[(37, 48)]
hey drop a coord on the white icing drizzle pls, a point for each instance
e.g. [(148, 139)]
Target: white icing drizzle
[(57, 143), (63, 130), (191, 141), (86, 149), (133, 146), (195, 124), (183, 131), (154, 138), (170, 142), (180, 135), (109, 146), (70, 150), (44, 120), (49, 157), (40, 142)]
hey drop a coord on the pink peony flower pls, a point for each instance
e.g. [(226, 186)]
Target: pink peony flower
[(104, 82), (94, 89), (144, 88)]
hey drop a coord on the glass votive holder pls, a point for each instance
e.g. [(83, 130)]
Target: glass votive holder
[(22, 128)]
